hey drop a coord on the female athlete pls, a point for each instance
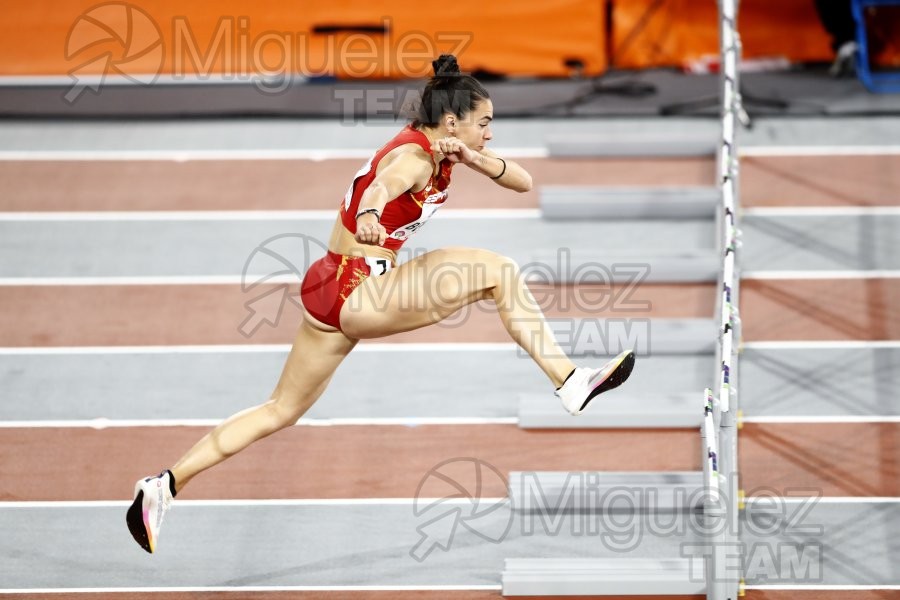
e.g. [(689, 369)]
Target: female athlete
[(358, 291)]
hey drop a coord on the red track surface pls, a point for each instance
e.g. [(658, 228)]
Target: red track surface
[(308, 184)]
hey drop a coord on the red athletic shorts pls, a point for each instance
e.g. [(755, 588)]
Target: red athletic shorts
[(330, 281)]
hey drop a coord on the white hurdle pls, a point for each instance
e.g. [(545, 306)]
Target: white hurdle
[(723, 566), (719, 577)]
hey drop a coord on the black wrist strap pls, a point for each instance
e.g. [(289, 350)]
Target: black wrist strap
[(374, 211), (501, 172)]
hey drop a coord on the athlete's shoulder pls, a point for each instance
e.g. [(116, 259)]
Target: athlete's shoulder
[(410, 154), (411, 136), (410, 160)]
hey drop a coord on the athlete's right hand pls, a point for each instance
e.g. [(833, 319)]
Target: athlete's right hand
[(370, 231)]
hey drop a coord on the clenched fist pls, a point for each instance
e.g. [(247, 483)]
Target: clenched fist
[(454, 150), (370, 231)]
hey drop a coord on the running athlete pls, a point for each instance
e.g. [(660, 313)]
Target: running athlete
[(358, 291)]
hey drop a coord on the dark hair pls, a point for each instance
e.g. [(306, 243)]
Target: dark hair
[(448, 91)]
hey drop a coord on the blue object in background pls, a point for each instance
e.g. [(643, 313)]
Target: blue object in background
[(875, 82)]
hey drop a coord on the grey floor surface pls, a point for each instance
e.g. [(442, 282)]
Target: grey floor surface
[(805, 90), (214, 385), (133, 248), (292, 134), (822, 382), (63, 248), (371, 544), (814, 243)]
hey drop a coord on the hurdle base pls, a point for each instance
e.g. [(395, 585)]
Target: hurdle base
[(618, 411), (681, 144), (602, 577), (606, 491), (571, 202)]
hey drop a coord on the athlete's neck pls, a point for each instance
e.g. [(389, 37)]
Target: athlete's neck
[(434, 134)]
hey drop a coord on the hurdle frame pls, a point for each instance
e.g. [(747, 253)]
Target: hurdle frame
[(722, 564), (722, 512)]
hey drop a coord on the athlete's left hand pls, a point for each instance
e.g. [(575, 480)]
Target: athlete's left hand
[(454, 150)]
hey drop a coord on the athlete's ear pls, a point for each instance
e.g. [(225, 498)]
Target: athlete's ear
[(450, 122)]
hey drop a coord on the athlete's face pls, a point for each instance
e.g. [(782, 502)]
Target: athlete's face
[(474, 128)]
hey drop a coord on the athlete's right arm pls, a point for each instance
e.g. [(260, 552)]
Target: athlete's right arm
[(406, 171)]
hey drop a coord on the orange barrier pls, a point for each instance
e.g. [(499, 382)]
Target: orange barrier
[(356, 39), (346, 38), (677, 33), (674, 33)]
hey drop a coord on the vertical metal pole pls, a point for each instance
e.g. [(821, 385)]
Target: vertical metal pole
[(724, 562), (728, 431)]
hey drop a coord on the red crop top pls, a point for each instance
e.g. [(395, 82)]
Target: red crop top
[(405, 214)]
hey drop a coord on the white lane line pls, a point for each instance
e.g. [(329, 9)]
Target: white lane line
[(255, 588), (821, 588), (182, 155), (238, 503), (363, 153), (821, 419), (249, 502), (102, 423), (171, 215), (807, 275), (822, 345), (223, 155), (447, 213), (384, 588), (252, 348), (247, 215), (824, 499), (160, 79), (821, 211), (887, 150), (114, 280), (149, 280), (404, 347)]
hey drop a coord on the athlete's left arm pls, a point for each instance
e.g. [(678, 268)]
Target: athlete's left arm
[(511, 174), (505, 172)]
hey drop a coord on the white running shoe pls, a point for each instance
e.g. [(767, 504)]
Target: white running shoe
[(584, 384), (152, 498)]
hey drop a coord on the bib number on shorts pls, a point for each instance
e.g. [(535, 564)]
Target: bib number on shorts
[(378, 266)]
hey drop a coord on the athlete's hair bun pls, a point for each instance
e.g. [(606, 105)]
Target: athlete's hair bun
[(449, 91), (445, 66)]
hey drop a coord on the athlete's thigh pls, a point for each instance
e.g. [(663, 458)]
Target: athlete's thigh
[(316, 352), (420, 292)]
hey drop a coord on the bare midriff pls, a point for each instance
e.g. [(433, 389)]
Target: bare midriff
[(344, 242)]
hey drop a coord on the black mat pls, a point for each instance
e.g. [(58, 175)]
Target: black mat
[(807, 91)]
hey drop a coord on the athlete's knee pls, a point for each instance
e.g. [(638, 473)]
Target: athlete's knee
[(282, 411), (458, 272), (499, 269)]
